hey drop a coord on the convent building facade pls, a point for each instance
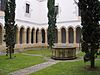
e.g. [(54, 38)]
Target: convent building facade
[(32, 24)]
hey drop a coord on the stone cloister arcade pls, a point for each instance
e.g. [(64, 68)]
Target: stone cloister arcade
[(35, 37)]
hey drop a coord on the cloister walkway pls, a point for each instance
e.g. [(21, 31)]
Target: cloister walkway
[(32, 69)]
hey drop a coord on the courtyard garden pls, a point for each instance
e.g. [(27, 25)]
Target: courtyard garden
[(22, 60), (70, 68), (32, 57)]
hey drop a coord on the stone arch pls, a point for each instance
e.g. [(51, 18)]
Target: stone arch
[(78, 34), (0, 34), (27, 35), (32, 35), (22, 35), (37, 34), (43, 35), (70, 35), (56, 36), (63, 35)]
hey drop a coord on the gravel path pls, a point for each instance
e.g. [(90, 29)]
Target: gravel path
[(33, 69)]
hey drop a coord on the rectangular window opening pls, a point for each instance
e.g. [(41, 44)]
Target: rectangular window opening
[(27, 8)]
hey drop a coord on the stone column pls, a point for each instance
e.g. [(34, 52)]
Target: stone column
[(46, 40), (3, 44), (34, 36), (3, 33), (17, 37), (67, 42), (59, 37), (75, 37)]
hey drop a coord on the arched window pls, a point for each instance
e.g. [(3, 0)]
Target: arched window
[(37, 33), (78, 34), (21, 35), (32, 36), (43, 35), (71, 35), (63, 35), (27, 35)]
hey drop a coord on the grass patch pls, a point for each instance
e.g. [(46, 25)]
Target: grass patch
[(81, 54), (19, 62), (43, 52), (69, 68)]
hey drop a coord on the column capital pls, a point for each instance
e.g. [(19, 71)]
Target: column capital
[(74, 29)]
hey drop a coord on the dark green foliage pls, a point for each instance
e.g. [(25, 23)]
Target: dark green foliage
[(52, 13), (10, 27), (90, 16)]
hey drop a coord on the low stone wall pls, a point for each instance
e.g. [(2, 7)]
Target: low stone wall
[(24, 46)]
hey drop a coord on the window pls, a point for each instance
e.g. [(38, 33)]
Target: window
[(56, 9), (27, 8)]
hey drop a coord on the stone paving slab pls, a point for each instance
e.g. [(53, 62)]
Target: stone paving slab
[(35, 68)]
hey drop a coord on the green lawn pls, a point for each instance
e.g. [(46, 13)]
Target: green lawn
[(81, 54), (69, 68), (19, 62), (43, 52), (22, 61)]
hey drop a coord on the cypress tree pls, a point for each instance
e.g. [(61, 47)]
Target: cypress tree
[(90, 16), (52, 13), (10, 27)]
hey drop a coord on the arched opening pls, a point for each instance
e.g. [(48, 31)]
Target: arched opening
[(32, 35), (21, 35), (0, 34), (37, 32), (56, 36), (63, 35), (43, 35), (71, 35), (78, 34), (27, 35)]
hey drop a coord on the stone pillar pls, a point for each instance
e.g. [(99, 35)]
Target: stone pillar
[(39, 37), (46, 40), (3, 44), (67, 42), (75, 37), (17, 37), (59, 37), (34, 36), (3, 33)]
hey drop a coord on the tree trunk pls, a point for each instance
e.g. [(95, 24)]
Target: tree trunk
[(92, 59), (10, 49)]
